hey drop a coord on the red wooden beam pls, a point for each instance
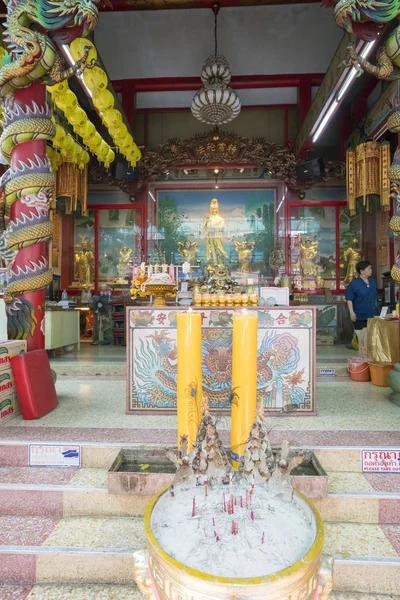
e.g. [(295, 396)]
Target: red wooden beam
[(128, 102), (124, 5), (305, 97), (238, 82)]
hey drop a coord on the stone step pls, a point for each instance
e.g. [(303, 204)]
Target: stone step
[(101, 455), (118, 592), (69, 592), (353, 596), (57, 492), (88, 550)]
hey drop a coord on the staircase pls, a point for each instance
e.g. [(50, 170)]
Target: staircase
[(63, 536)]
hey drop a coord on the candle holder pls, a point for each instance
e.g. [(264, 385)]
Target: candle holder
[(214, 299), (245, 299), (254, 299), (221, 299), (197, 299), (229, 299), (237, 299), (206, 299)]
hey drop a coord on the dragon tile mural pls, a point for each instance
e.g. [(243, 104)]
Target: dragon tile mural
[(286, 355), (34, 31)]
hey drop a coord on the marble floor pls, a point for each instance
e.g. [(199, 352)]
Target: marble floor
[(95, 403), (89, 354)]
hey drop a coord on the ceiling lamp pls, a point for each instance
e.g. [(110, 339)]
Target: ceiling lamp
[(216, 103)]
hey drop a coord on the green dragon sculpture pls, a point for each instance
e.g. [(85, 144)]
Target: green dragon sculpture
[(34, 30), (368, 19)]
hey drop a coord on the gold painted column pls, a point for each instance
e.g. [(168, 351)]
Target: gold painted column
[(244, 381), (189, 380)]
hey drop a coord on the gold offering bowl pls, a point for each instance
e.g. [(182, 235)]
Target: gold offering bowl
[(158, 290), (164, 578)]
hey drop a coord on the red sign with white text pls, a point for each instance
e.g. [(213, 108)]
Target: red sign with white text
[(380, 461)]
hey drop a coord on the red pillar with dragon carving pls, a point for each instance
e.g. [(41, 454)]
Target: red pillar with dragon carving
[(33, 32)]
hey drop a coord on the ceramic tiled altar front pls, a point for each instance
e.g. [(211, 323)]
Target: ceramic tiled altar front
[(286, 358)]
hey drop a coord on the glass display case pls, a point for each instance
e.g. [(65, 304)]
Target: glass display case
[(107, 242), (313, 247), (119, 233), (242, 229), (324, 245)]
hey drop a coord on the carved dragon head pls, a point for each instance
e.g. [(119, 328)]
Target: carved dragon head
[(68, 19), (365, 18)]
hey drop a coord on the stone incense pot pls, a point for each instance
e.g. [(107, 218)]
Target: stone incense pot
[(163, 578)]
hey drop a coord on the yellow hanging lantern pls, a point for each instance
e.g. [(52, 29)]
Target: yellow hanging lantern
[(67, 100), (74, 154), (119, 133), (110, 156), (77, 49), (58, 88), (138, 153), (69, 142), (95, 79), (95, 141), (126, 141), (103, 149), (103, 100), (85, 157), (112, 118), (77, 117), (59, 137), (88, 131), (70, 99)]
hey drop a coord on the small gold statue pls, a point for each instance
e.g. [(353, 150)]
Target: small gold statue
[(84, 263), (187, 251), (214, 226), (244, 250), (352, 256), (308, 252), (125, 255)]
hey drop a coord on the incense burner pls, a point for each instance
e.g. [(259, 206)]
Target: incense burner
[(159, 290), (165, 578)]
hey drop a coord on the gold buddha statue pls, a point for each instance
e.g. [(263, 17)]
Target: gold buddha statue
[(84, 263), (214, 226), (351, 256), (308, 252)]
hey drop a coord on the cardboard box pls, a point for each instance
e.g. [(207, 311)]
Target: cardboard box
[(9, 349), (7, 383), (9, 407)]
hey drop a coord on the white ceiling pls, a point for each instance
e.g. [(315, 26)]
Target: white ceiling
[(255, 40)]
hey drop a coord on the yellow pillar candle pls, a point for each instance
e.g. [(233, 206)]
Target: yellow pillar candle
[(189, 380), (244, 381)]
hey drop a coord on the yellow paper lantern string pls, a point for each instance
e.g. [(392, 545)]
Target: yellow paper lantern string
[(77, 49), (103, 100), (95, 79), (111, 118)]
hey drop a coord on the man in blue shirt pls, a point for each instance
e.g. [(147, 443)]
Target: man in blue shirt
[(361, 296)]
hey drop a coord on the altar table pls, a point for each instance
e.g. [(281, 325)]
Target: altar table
[(286, 358)]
